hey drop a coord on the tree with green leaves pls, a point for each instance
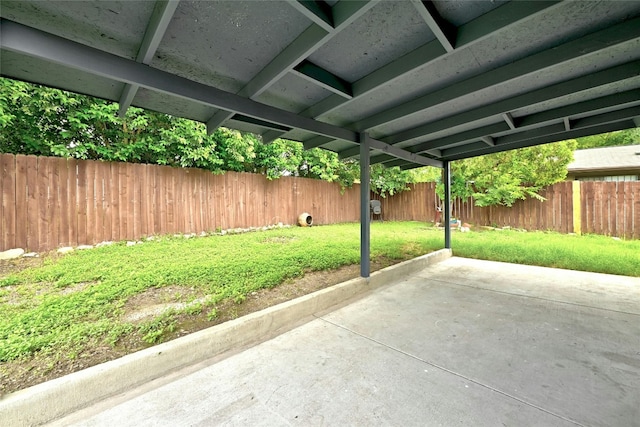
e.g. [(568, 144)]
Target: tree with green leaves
[(503, 178), (610, 139), (51, 122)]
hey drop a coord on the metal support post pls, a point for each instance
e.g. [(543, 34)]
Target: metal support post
[(365, 226), (446, 169)]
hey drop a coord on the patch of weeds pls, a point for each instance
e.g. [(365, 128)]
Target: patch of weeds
[(10, 281), (118, 331), (153, 330), (212, 315), (193, 309)]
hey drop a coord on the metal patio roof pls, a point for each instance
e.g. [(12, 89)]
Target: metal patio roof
[(425, 81)]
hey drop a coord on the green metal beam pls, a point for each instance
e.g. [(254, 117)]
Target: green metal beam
[(600, 78), (21, 39), (571, 50), (469, 135), (556, 130), (365, 218), (318, 12), (317, 142), (526, 122), (157, 26), (444, 32), (323, 78), (270, 136), (579, 133), (403, 154), (258, 122), (468, 33), (315, 36)]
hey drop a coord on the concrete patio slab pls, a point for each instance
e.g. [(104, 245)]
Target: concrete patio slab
[(461, 342)]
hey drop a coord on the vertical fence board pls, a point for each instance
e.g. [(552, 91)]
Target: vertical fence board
[(611, 205), (208, 215), (165, 190), (153, 201), (180, 209), (93, 215), (172, 209), (21, 206), (628, 206), (72, 179), (8, 169), (82, 202), (132, 214), (597, 208), (33, 199), (44, 239), (619, 211), (192, 195), (146, 202), (112, 202), (636, 211), (62, 202), (53, 209), (122, 214), (586, 208)]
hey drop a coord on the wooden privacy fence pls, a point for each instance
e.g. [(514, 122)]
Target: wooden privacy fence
[(49, 202)]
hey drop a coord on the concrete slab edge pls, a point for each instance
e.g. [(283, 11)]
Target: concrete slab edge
[(62, 396)]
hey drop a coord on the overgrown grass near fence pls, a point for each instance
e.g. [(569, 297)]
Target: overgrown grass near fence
[(81, 299), (82, 296), (599, 254)]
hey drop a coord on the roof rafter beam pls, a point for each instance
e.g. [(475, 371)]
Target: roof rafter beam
[(258, 122), (38, 44), (557, 129), (160, 19), (317, 141), (576, 133), (471, 32), (589, 81), (343, 13), (628, 98), (461, 137), (508, 118), (317, 11), (488, 140), (271, 135), (604, 128), (403, 154), (321, 77), (444, 32), (573, 49)]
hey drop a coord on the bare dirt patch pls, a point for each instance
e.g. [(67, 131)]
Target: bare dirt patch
[(20, 374)]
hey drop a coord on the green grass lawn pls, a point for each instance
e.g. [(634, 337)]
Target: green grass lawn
[(79, 298)]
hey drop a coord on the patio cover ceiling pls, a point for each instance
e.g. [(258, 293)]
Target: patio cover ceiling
[(426, 81)]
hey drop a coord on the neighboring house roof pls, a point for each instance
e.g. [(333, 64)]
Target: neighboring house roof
[(606, 159)]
